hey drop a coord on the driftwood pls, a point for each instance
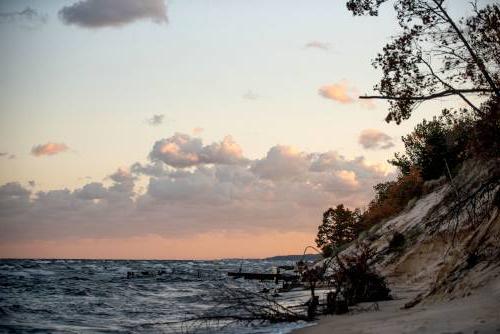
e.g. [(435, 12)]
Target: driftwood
[(476, 205), (470, 206), (236, 306)]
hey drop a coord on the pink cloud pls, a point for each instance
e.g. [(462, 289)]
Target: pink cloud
[(48, 149), (197, 131), (182, 150), (340, 92), (318, 45), (190, 189), (344, 93), (374, 139), (367, 104)]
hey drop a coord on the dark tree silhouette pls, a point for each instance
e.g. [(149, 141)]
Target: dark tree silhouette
[(340, 226), (436, 56)]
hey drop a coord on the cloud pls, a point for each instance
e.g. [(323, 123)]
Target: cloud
[(48, 149), (14, 199), (281, 162), (113, 13), (123, 181), (155, 120), (344, 93), (250, 95), (317, 45), (181, 150), (367, 104), (340, 92), (28, 17), (192, 188), (373, 139), (157, 169), (7, 155), (91, 191), (197, 131)]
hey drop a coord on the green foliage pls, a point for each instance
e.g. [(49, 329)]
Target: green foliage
[(340, 226), (433, 144), (485, 142)]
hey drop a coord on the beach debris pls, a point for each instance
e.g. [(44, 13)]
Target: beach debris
[(413, 302), (234, 305), (331, 302), (312, 306), (145, 274), (341, 304), (264, 276), (357, 279)]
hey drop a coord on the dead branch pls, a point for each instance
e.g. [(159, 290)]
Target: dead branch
[(445, 93)]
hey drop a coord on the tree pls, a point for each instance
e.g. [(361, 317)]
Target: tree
[(436, 56), (434, 144), (339, 227)]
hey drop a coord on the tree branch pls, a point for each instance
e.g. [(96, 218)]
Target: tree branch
[(430, 96), (479, 62), (444, 83)]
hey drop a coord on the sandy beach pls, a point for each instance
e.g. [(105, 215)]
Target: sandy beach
[(478, 313)]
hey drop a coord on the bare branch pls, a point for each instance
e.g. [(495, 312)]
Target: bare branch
[(445, 93), (479, 62), (449, 86)]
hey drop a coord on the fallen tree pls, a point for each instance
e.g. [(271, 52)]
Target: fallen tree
[(236, 306)]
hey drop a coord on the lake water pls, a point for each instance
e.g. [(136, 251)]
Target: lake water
[(95, 296)]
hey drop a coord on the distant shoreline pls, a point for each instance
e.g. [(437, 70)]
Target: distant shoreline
[(307, 257)]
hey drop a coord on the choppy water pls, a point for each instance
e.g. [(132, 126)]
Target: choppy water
[(95, 296)]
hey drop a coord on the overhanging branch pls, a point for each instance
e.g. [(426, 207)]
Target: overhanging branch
[(445, 93)]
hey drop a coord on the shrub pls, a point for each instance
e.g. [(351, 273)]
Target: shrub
[(434, 144), (392, 197), (327, 251), (397, 242), (357, 277)]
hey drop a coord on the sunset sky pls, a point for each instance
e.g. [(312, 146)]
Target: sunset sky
[(186, 129)]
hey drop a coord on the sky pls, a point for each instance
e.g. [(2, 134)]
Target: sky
[(192, 129)]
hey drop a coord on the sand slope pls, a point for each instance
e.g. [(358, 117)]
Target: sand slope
[(460, 293), (478, 313)]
